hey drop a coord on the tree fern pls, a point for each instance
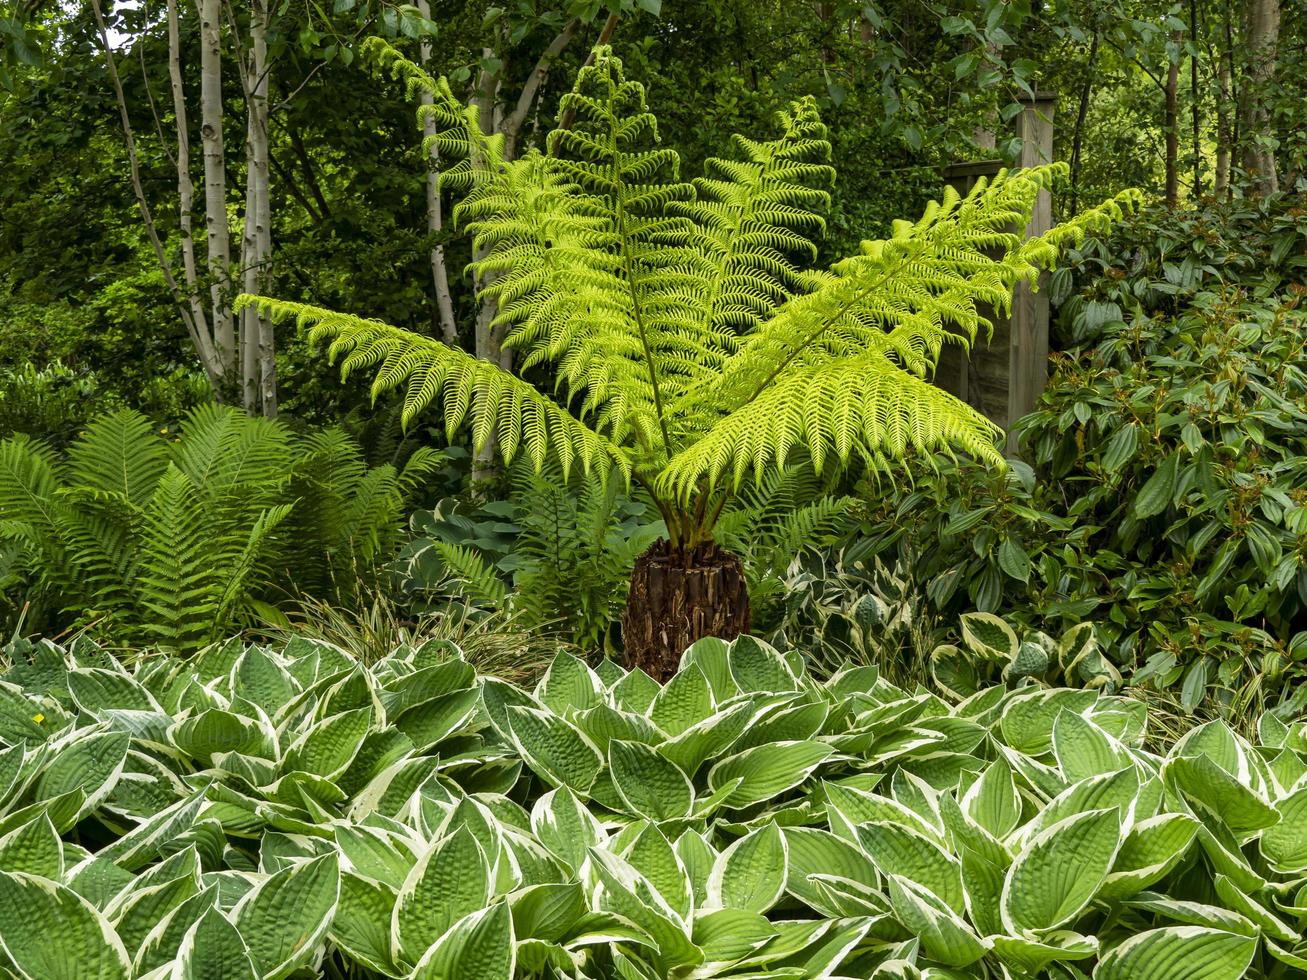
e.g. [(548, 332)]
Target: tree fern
[(687, 344)]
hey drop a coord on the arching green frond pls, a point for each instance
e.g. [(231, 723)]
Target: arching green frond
[(468, 389), (120, 453), (863, 408), (757, 213)]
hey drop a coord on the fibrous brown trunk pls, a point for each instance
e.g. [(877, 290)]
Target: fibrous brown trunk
[(679, 596)]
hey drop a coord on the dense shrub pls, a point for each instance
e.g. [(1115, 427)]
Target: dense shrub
[(292, 813), (1162, 493), (150, 540)]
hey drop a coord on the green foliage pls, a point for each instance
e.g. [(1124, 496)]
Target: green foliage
[(561, 554), (689, 347), (1164, 499), (173, 543), (292, 812)]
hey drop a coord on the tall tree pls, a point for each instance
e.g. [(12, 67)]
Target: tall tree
[(1262, 27)]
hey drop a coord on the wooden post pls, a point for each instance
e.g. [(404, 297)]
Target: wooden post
[(1028, 341)]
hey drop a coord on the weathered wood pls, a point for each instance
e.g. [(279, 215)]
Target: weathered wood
[(1028, 343), (680, 596)]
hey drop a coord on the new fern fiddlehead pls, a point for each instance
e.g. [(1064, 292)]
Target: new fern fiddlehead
[(690, 347)]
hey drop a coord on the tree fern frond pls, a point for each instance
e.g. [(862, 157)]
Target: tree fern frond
[(175, 583), (860, 407), (466, 385), (475, 577)]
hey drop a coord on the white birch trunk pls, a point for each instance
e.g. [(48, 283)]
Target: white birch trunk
[(215, 184), (435, 217)]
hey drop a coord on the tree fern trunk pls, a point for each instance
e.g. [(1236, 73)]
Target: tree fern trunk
[(678, 596)]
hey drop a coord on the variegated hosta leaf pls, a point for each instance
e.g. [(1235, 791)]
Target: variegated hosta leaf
[(259, 813)]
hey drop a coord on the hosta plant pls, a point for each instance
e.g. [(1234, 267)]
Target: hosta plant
[(291, 813), (677, 333)]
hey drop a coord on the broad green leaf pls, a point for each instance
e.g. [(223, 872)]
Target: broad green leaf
[(1285, 844), (286, 916), (34, 849), (751, 873), (361, 925), (945, 935), (755, 666), (650, 785), (564, 824), (1239, 807), (1083, 749), (896, 850), (767, 771), (49, 932), (329, 747), (569, 684), (451, 880), (91, 763), (1207, 954), (554, 749), (684, 700), (214, 950), (708, 738), (1150, 851), (479, 946), (1060, 870), (653, 856), (989, 637), (992, 801)]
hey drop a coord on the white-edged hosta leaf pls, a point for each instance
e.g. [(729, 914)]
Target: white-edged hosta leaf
[(569, 684), (648, 783), (1060, 870), (1193, 913), (767, 770), (92, 763), (751, 873), (626, 892), (1082, 749), (49, 932), (214, 950), (896, 850), (684, 700), (1150, 851), (1028, 718), (708, 738), (1285, 845), (992, 800), (1239, 807), (1030, 955), (449, 881), (1207, 954), (285, 917), (944, 934), (566, 826), (479, 946), (554, 749), (651, 854), (361, 925), (34, 849)]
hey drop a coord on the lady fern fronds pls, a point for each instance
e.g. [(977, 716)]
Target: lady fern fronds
[(687, 341)]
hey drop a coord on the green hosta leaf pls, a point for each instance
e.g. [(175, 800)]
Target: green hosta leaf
[(566, 826), (374, 853), (728, 935), (1265, 920), (450, 881), (709, 738), (629, 894), (711, 654), (1239, 808), (1285, 845), (654, 857), (751, 873), (649, 784), (49, 932), (992, 801), (1207, 954), (685, 700), (1030, 955), (479, 946), (1083, 749), (635, 691), (766, 771), (213, 950), (286, 916), (755, 666), (1151, 850), (569, 684), (554, 749), (91, 763), (361, 925), (547, 912), (34, 849), (143, 842), (1028, 719), (1059, 871), (260, 679), (95, 689), (329, 747), (944, 934), (896, 850), (213, 731), (989, 637)]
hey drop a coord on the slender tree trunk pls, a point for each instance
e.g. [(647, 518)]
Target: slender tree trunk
[(260, 177), (1173, 126), (1262, 25), (185, 187), (486, 343), (215, 185), (199, 337), (435, 218), (1224, 106), (1193, 98), (1082, 111)]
